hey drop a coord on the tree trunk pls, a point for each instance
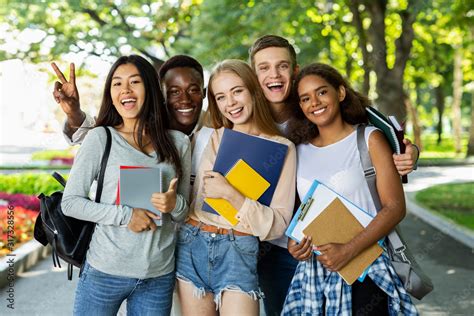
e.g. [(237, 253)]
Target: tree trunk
[(457, 97), (389, 88), (411, 108), (362, 42), (349, 62), (470, 144), (390, 99), (439, 95)]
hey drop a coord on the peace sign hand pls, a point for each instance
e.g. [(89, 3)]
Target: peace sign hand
[(65, 92)]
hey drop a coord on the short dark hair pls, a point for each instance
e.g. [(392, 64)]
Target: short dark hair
[(301, 130), (180, 61), (271, 41)]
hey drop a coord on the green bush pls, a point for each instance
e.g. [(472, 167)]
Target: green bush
[(446, 149), (50, 154), (29, 183)]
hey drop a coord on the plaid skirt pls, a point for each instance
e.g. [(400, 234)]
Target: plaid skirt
[(313, 287)]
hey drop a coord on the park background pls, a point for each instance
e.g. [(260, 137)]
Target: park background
[(415, 59)]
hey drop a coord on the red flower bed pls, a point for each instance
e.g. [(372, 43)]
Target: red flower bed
[(17, 225), (30, 202), (60, 161)]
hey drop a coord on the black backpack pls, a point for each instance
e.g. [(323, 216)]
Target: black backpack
[(69, 237)]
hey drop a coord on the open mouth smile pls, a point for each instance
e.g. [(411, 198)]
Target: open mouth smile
[(275, 86), (319, 111), (128, 103), (236, 111)]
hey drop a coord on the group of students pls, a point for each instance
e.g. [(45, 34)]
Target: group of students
[(219, 268)]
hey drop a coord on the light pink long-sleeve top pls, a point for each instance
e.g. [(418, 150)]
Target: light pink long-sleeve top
[(265, 222)]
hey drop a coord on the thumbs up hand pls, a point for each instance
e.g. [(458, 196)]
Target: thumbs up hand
[(166, 202)]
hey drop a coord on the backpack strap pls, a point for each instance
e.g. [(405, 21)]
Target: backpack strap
[(103, 165), (100, 185), (367, 166), (370, 178)]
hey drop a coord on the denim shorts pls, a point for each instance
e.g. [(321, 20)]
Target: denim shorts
[(216, 263)]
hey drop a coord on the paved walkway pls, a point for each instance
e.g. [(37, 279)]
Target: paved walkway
[(45, 290)]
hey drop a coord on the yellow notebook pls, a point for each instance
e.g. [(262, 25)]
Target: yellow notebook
[(247, 181)]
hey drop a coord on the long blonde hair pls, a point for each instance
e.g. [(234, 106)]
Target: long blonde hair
[(261, 114)]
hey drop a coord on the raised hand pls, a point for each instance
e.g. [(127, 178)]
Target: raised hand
[(65, 94), (166, 202)]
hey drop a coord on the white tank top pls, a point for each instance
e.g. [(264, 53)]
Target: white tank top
[(337, 166)]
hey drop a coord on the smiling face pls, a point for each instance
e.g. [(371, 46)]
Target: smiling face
[(183, 88), (319, 100), (275, 72), (127, 92), (233, 99)]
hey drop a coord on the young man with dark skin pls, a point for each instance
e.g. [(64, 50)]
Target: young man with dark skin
[(273, 59), (182, 82)]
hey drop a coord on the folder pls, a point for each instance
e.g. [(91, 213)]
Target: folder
[(318, 197), (247, 181), (265, 156), (316, 200), (336, 224), (136, 186), (391, 129)]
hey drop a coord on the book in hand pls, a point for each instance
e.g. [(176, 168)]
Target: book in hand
[(247, 181), (266, 157), (136, 186), (318, 198), (391, 128), (336, 224)]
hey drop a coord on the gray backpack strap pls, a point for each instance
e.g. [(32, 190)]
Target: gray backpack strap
[(367, 166), (370, 177)]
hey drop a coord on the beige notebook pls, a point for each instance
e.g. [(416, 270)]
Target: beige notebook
[(336, 224)]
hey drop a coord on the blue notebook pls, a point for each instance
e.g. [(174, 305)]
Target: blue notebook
[(265, 156)]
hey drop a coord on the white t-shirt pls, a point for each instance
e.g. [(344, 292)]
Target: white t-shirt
[(201, 138), (337, 166)]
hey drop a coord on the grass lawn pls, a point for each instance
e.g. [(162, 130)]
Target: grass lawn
[(443, 154), (431, 149), (455, 201)]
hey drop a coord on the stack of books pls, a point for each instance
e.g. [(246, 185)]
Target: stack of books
[(332, 218), (252, 165), (391, 128)]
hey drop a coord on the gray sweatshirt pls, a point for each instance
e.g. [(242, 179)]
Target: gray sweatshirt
[(114, 248)]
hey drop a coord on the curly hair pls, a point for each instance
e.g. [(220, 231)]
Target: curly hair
[(302, 130)]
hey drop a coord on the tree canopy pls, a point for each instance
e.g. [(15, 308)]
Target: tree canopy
[(397, 51)]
